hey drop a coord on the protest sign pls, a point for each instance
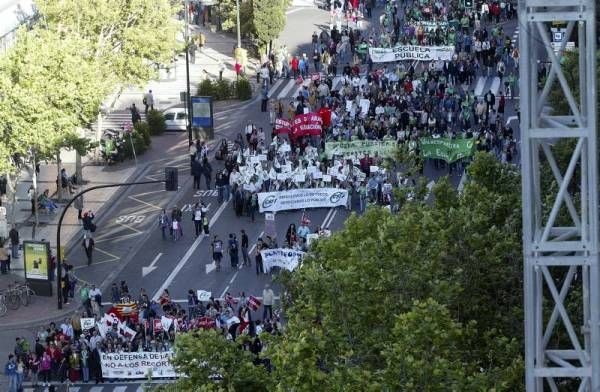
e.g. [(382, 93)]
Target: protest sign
[(132, 365), (307, 124), (327, 177), (299, 178), (284, 258), (364, 106), (433, 25), (282, 126), (384, 148), (157, 324), (206, 323), (296, 199), (203, 295), (411, 52), (254, 302), (449, 150), (87, 323)]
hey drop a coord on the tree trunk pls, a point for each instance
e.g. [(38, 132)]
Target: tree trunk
[(59, 195), (35, 194), (11, 186), (78, 168)]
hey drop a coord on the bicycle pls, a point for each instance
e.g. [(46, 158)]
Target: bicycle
[(3, 308), (13, 299), (26, 294)]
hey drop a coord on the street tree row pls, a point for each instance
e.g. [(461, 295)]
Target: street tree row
[(55, 77)]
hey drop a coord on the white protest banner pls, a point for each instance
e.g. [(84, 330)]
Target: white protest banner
[(137, 365), (203, 295), (87, 323), (411, 52), (284, 258), (364, 106), (297, 199)]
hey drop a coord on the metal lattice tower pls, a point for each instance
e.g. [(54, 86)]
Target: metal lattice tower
[(561, 260)]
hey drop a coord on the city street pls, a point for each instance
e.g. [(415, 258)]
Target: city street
[(129, 243)]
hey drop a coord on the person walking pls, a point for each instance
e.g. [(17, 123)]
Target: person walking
[(217, 249), (45, 368), (244, 244), (164, 223), (268, 299), (3, 259), (233, 251), (10, 371), (148, 101), (197, 218), (13, 234), (88, 245), (207, 171), (196, 173), (135, 114), (258, 257)]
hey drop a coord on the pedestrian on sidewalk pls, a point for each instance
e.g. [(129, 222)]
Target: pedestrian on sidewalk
[(265, 97), (88, 246), (148, 101), (96, 299), (13, 234), (4, 257), (196, 172), (31, 196)]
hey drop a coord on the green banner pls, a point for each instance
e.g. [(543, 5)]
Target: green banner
[(449, 150), (384, 148)]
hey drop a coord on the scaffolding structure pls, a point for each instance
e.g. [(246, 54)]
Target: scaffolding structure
[(560, 223)]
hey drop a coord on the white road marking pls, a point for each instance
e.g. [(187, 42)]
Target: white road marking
[(187, 255), (224, 292), (233, 277), (330, 219), (151, 267), (326, 218), (284, 93), (479, 86), (495, 85), (274, 87)]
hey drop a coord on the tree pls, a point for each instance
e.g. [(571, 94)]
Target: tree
[(206, 355), (49, 88), (268, 17), (131, 37)]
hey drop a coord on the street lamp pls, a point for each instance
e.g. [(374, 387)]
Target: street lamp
[(188, 110)]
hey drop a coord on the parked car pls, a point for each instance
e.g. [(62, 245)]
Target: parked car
[(175, 119)]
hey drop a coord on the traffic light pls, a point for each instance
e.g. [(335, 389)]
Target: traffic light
[(171, 179)]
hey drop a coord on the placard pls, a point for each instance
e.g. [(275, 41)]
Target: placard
[(284, 258), (317, 175), (204, 296), (87, 323), (299, 178), (327, 177), (262, 157), (374, 169), (296, 199)]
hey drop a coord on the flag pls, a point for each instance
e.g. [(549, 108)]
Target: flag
[(166, 322), (126, 332), (254, 302), (157, 324)]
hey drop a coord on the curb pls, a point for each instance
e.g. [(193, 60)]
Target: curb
[(103, 213)]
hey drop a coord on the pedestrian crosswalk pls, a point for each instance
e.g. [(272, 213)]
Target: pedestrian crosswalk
[(133, 387), (487, 83), (289, 88)]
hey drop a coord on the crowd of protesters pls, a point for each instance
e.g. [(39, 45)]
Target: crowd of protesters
[(69, 352)]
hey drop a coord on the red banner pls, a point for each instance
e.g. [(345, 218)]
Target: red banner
[(158, 327), (282, 126), (254, 302), (206, 323), (307, 124)]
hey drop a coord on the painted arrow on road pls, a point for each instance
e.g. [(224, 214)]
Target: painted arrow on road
[(210, 267), (151, 267)]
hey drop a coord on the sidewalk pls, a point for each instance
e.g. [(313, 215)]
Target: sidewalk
[(218, 49), (164, 148)]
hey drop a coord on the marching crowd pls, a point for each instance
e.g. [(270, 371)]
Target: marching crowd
[(72, 350)]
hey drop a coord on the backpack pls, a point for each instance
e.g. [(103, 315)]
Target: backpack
[(233, 246)]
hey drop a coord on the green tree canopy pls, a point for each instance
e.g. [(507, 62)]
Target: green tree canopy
[(429, 299)]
